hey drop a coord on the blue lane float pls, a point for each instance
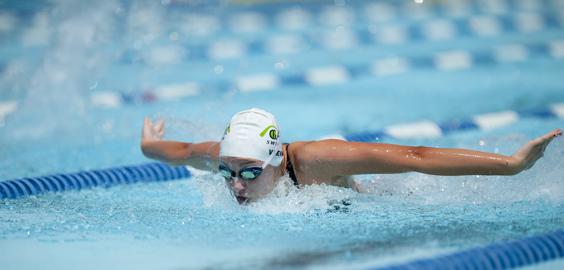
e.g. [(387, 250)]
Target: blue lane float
[(151, 172), (508, 255)]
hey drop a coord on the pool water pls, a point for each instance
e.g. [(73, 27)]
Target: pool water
[(83, 76)]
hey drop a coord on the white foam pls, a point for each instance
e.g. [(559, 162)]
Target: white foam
[(558, 109), (105, 99), (379, 12), (293, 19), (494, 120), (557, 48), (390, 66), (257, 82), (391, 34), (327, 75), (227, 49), (6, 108), (176, 91), (511, 53), (439, 29), (285, 44), (422, 129), (340, 39), (453, 60), (485, 25), (248, 22), (529, 22)]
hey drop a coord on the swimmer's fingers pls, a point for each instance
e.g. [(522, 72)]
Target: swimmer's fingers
[(152, 132), (147, 127), (534, 150), (159, 128)]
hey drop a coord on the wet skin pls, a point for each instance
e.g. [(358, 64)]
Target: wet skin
[(250, 190)]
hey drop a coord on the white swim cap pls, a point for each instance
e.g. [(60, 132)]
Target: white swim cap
[(253, 134)]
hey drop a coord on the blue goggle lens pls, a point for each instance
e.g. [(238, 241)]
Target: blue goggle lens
[(245, 174)]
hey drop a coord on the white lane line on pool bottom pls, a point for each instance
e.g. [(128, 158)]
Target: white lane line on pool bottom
[(558, 109), (422, 129), (257, 82), (494, 120), (6, 108), (327, 75)]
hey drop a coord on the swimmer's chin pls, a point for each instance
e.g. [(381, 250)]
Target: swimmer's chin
[(242, 200)]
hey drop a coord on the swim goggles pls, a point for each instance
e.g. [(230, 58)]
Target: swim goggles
[(247, 174)]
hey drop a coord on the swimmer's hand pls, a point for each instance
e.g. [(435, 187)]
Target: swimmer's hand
[(526, 157), (152, 132), (203, 156)]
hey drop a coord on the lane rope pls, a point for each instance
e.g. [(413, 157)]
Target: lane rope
[(150, 172), (526, 251)]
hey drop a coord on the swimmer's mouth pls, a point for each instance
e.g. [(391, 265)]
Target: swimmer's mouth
[(241, 199)]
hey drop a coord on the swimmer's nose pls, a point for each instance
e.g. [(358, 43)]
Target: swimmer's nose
[(237, 185)]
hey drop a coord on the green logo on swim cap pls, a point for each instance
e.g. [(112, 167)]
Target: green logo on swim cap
[(273, 133)]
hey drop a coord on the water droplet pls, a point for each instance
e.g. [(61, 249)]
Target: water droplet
[(218, 69)]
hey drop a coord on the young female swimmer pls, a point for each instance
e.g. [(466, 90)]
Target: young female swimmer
[(252, 159)]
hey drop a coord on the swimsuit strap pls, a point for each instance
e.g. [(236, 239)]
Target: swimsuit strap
[(290, 168)]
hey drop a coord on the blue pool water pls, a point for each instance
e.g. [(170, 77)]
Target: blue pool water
[(83, 75)]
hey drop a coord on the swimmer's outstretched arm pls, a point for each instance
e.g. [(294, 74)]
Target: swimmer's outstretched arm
[(201, 156), (338, 158)]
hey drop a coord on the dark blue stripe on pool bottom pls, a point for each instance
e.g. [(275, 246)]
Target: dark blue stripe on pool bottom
[(508, 255), (151, 172)]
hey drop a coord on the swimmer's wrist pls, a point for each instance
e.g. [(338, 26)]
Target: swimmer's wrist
[(514, 165)]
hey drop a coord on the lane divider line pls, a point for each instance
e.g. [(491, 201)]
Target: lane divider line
[(322, 76), (349, 37), (505, 255), (150, 172), (429, 129)]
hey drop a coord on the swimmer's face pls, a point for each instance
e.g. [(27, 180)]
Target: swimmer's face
[(249, 190)]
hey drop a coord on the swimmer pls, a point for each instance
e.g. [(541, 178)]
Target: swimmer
[(252, 159)]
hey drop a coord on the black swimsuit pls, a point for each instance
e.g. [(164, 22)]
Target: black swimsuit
[(290, 168)]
